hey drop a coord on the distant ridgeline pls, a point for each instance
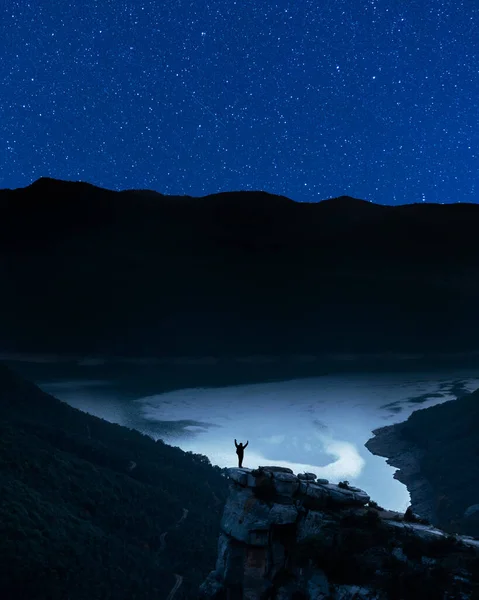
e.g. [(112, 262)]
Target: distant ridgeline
[(137, 273), (90, 510), (288, 537)]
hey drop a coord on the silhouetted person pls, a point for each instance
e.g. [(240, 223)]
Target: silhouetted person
[(240, 452)]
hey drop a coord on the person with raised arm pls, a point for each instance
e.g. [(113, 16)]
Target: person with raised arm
[(240, 448)]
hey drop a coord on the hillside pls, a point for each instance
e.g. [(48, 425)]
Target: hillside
[(436, 451), (137, 273), (86, 505)]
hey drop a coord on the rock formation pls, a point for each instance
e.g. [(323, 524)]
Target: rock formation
[(294, 537), (435, 453)]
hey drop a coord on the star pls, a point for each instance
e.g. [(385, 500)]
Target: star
[(193, 99)]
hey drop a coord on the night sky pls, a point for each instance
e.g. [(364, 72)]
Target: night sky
[(310, 99)]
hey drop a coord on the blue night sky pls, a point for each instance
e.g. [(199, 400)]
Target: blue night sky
[(310, 99)]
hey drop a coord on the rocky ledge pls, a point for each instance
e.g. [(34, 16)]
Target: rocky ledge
[(399, 452), (296, 537)]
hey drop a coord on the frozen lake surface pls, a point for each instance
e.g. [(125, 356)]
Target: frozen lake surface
[(315, 424)]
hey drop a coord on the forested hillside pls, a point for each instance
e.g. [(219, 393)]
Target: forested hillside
[(136, 273), (436, 451), (85, 503)]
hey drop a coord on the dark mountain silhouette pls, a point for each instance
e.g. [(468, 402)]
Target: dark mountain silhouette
[(86, 504), (435, 451), (88, 270)]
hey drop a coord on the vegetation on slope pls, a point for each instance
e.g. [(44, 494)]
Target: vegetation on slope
[(133, 273), (85, 503)]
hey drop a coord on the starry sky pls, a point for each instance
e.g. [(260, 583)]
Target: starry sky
[(378, 99)]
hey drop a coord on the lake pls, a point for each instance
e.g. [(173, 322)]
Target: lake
[(318, 424)]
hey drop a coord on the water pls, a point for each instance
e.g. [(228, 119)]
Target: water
[(317, 424)]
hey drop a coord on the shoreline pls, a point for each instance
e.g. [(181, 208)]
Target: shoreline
[(388, 442), (162, 374)]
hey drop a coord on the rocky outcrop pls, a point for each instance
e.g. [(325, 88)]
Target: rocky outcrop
[(435, 452), (286, 536), (407, 458)]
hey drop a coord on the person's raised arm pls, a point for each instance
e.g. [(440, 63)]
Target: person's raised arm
[(236, 444), (246, 444)]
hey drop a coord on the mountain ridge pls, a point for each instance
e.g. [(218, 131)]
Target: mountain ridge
[(228, 274)]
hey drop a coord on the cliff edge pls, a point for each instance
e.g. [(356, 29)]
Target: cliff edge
[(435, 451), (296, 537)]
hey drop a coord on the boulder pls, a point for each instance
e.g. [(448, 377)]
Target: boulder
[(276, 469), (283, 514), (307, 476), (244, 513), (314, 523), (259, 478), (238, 475), (362, 497), (346, 497), (312, 490), (248, 519), (285, 484)]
